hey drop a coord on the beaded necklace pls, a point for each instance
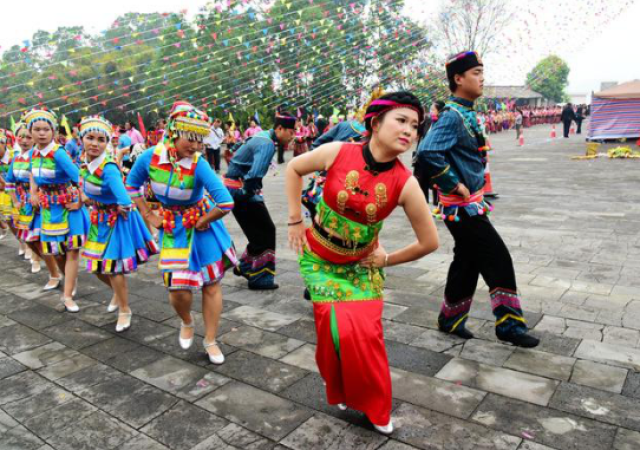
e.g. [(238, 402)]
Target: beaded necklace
[(469, 116), (470, 121)]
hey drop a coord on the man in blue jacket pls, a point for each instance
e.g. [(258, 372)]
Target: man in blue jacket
[(453, 154)]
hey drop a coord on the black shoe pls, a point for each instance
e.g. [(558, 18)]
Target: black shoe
[(269, 287), (461, 332), (307, 295), (523, 340), (237, 272)]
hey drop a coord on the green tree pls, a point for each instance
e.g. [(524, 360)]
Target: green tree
[(550, 78), (239, 57)]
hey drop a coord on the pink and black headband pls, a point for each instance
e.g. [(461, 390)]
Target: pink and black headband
[(389, 105)]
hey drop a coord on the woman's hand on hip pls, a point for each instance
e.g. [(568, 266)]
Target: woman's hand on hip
[(298, 238)]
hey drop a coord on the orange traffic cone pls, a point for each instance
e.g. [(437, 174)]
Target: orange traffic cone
[(521, 140), (553, 131), (572, 130), (488, 186)]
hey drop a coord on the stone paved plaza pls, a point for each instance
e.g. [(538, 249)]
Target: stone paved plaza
[(573, 227)]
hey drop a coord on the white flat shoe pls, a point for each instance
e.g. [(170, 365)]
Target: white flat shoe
[(21, 252), (125, 326), (35, 266), (112, 306), (51, 287), (387, 429), (215, 359), (73, 308), (185, 344), (342, 407)]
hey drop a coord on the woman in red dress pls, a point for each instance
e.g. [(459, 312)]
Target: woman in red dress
[(341, 258)]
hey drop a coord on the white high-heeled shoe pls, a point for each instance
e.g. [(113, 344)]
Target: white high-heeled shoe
[(74, 308), (113, 306), (215, 359), (386, 429), (51, 287), (125, 326), (186, 344), (35, 266)]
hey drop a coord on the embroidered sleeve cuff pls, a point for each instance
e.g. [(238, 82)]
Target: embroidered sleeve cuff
[(225, 206), (446, 180), (133, 192)]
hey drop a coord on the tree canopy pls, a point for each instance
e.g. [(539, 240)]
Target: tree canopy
[(234, 57), (550, 78)]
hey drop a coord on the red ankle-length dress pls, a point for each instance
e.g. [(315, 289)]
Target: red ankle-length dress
[(347, 298)]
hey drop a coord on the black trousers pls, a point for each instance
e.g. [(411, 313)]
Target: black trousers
[(256, 224), (479, 250), (579, 126), (213, 156), (281, 154), (258, 263), (425, 184), (567, 126)]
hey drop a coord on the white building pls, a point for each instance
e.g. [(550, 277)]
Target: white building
[(580, 99)]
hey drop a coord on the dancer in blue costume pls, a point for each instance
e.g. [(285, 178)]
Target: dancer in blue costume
[(6, 156), (63, 219), (18, 179), (118, 239), (196, 248)]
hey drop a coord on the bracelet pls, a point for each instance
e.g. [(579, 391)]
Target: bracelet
[(295, 223), (386, 260)]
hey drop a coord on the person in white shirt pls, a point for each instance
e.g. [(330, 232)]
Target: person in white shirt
[(212, 145)]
